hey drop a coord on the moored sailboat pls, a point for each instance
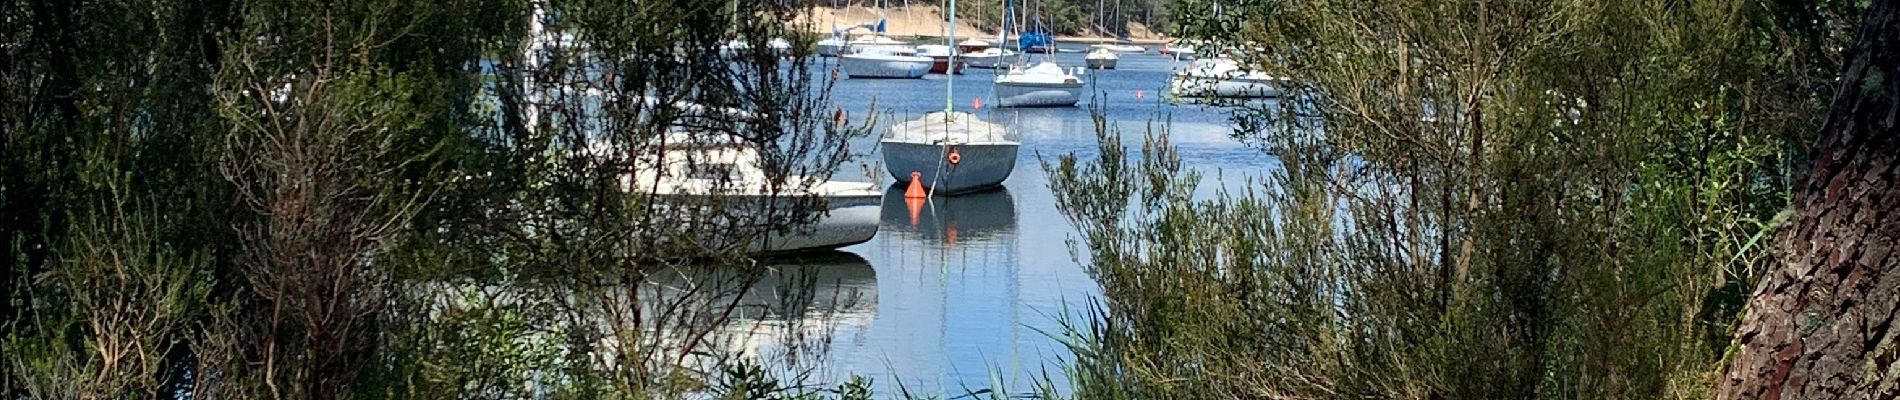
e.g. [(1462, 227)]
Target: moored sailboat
[(949, 152)]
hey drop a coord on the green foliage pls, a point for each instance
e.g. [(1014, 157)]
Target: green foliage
[(1478, 200), (370, 198)]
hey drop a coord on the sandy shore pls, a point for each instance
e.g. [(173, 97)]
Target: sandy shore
[(924, 21)]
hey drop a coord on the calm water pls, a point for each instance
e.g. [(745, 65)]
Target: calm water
[(964, 290)]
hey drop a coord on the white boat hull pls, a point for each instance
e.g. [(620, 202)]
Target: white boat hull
[(846, 220), (980, 166), (1191, 87), (860, 67), (1102, 63), (1038, 95), (830, 48), (989, 61)]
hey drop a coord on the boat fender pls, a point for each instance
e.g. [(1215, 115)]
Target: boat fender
[(954, 157)]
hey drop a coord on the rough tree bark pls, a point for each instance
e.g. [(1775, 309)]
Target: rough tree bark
[(1821, 323)]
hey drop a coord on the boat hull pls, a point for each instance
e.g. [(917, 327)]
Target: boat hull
[(980, 166), (942, 66), (990, 62), (1187, 87), (856, 67), (830, 48), (1033, 95), (1102, 63), (848, 220)]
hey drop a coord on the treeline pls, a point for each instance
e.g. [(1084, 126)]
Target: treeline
[(373, 199)]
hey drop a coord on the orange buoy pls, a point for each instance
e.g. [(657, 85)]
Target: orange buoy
[(916, 190), (1137, 95), (954, 157), (976, 103)]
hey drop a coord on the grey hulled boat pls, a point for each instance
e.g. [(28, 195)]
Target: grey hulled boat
[(950, 153)]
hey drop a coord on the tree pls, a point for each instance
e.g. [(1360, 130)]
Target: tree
[(1821, 324)]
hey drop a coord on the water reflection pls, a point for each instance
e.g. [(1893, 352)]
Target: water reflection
[(980, 219), (949, 295), (800, 306)]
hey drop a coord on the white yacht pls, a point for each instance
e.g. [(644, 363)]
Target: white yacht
[(1043, 85), (991, 58), (1101, 58), (723, 179), (1126, 48), (884, 62), (1223, 77)]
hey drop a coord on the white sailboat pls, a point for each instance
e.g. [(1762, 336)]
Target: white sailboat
[(999, 56), (949, 152), (1044, 85), (884, 63)]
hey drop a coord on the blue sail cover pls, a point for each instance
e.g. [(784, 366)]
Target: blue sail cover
[(1035, 38), (879, 28)]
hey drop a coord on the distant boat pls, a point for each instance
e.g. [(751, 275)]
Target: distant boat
[(1125, 48), (1223, 77), (699, 172), (1178, 51), (1037, 41), (831, 47), (1101, 58), (949, 152), (991, 58), (739, 48), (940, 56), (863, 42), (884, 63), (1043, 85), (974, 45)]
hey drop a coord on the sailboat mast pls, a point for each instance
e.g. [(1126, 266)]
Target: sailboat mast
[(1002, 30), (950, 71)]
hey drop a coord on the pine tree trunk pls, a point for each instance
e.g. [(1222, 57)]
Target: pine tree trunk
[(1821, 323)]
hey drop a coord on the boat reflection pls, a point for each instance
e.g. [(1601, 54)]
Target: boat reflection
[(980, 219), (799, 306), (949, 289)]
